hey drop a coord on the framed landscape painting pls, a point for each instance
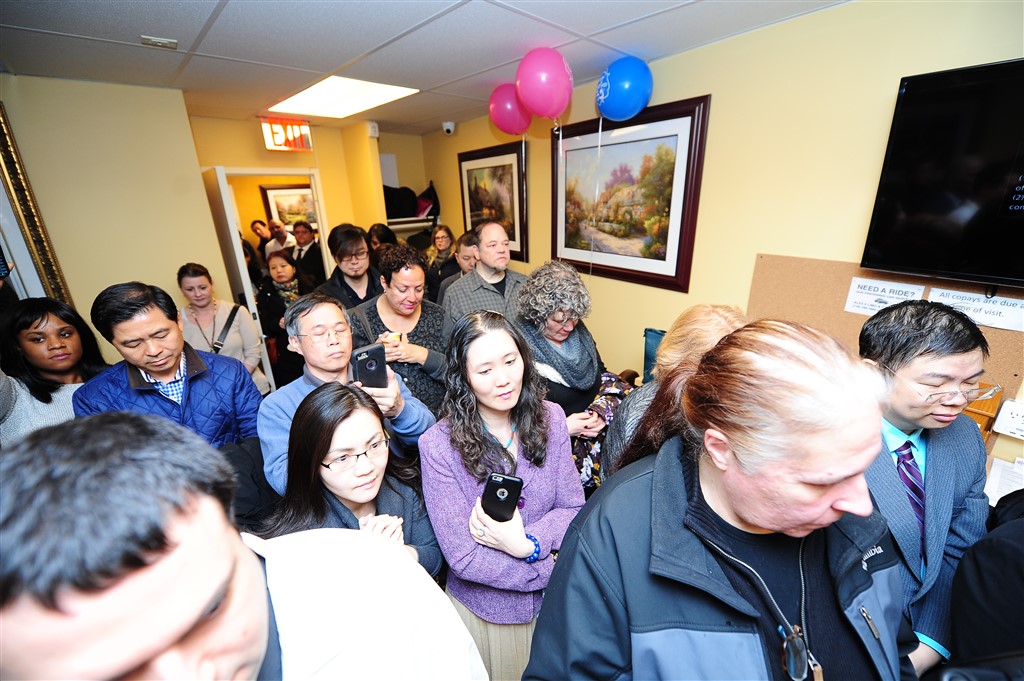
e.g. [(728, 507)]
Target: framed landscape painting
[(624, 201), (494, 190), (289, 203)]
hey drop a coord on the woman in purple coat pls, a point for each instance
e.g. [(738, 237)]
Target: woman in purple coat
[(496, 421)]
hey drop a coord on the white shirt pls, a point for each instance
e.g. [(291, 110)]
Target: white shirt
[(343, 623)]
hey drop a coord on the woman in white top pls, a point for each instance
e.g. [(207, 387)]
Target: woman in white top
[(204, 318), (46, 352)]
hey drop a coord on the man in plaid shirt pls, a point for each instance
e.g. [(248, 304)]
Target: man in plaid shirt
[(491, 285)]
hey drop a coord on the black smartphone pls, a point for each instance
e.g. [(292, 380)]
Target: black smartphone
[(501, 494), (369, 366)]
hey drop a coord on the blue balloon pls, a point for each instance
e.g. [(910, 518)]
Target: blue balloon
[(624, 89)]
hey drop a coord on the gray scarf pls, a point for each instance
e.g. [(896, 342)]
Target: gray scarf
[(576, 361)]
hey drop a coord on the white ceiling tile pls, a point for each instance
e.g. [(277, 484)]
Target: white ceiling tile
[(592, 16), (472, 38), (233, 83), (28, 53), (312, 34), (123, 20)]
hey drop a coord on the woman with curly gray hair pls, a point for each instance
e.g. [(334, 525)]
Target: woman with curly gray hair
[(549, 312)]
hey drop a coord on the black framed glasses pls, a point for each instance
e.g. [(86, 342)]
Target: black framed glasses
[(347, 462), (358, 255)]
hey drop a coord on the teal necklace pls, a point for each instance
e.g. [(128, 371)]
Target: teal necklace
[(511, 437)]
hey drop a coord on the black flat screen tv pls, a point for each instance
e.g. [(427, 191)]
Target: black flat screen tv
[(950, 200)]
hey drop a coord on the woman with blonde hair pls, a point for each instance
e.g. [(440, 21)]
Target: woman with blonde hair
[(693, 333)]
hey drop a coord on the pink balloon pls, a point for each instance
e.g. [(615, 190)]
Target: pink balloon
[(544, 82), (507, 112)]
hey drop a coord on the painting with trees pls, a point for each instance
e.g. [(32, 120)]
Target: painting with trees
[(494, 190), (624, 194)]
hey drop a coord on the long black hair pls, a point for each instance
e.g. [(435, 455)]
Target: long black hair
[(318, 416), (481, 453), (23, 315)]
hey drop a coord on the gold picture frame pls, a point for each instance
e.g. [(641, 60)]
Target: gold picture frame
[(26, 212)]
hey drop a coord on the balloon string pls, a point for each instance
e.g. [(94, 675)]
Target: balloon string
[(524, 206)]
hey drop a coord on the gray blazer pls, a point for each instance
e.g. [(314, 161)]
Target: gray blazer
[(955, 511)]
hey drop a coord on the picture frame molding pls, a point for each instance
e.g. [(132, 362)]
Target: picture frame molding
[(267, 192), (695, 108), (518, 249)]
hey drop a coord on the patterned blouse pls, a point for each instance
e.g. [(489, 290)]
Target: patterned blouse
[(432, 331)]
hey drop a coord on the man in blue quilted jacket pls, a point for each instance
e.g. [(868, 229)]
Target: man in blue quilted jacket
[(162, 374)]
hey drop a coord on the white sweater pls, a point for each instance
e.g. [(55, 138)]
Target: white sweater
[(20, 413)]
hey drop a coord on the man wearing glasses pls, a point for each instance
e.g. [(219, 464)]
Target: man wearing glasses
[(929, 479), (319, 331)]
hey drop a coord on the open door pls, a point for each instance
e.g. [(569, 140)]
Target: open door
[(225, 218)]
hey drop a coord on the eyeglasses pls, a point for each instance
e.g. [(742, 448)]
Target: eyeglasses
[(347, 462), (796, 659), (971, 394), (567, 319), (442, 236), (322, 336), (358, 255)]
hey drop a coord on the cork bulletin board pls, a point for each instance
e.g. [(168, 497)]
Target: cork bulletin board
[(814, 292)]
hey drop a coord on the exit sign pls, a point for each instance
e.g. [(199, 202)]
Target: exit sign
[(286, 134)]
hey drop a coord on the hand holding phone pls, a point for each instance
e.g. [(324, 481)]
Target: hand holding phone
[(369, 366), (501, 495)]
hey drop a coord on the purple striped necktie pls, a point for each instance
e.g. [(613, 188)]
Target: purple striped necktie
[(913, 481)]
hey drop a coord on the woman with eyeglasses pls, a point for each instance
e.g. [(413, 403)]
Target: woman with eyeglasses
[(747, 548), (353, 281), (441, 261), (47, 352), (495, 420), (550, 311), (341, 474), (280, 288)]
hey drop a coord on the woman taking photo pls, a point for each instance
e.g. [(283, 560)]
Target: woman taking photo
[(353, 281), (550, 311), (46, 352), (495, 421), (414, 331), (340, 474), (217, 326), (441, 261), (282, 287)]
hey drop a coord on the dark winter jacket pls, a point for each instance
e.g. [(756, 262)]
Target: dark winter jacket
[(220, 401), (637, 595)]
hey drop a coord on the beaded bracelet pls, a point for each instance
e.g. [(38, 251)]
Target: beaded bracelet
[(533, 557)]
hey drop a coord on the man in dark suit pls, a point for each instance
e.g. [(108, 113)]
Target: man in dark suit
[(307, 253), (928, 481)]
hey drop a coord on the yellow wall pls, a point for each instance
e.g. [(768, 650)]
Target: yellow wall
[(408, 151), (239, 144), (117, 180), (362, 159), (799, 118)]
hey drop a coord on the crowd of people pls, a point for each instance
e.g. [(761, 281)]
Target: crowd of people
[(770, 506)]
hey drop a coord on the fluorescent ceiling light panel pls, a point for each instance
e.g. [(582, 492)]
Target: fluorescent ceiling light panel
[(337, 97)]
